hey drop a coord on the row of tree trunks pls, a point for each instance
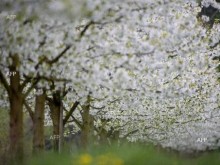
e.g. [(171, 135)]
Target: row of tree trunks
[(17, 94)]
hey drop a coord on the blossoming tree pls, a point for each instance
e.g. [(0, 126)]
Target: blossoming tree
[(147, 65)]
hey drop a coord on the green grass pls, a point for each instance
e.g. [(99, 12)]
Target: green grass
[(124, 155)]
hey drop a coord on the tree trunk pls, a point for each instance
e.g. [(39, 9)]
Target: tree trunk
[(16, 99), (16, 127), (61, 127), (55, 116), (87, 126), (103, 135), (55, 105), (38, 135)]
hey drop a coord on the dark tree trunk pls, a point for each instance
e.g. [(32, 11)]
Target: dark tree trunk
[(87, 126), (16, 99), (16, 127), (55, 116), (55, 106), (38, 128)]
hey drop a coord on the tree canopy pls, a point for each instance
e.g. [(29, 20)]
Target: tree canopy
[(147, 66)]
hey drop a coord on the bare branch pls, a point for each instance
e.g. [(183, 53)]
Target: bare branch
[(45, 59), (77, 122), (86, 28), (60, 55), (130, 133), (73, 108), (31, 87), (31, 113), (4, 82), (100, 108)]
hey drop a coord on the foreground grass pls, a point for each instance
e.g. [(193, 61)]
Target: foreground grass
[(125, 155)]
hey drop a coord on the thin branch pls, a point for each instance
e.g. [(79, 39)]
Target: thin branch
[(130, 133), (100, 108), (52, 79), (45, 59), (86, 28), (25, 82), (49, 79), (31, 113), (4, 82), (76, 121), (73, 108), (31, 87), (60, 55)]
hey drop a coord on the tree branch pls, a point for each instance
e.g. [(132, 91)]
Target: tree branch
[(70, 112), (31, 113), (31, 87), (4, 82), (86, 28), (77, 122), (60, 55), (25, 82), (130, 133), (45, 59)]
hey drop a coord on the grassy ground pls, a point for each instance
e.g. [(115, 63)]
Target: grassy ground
[(125, 155), (114, 155)]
